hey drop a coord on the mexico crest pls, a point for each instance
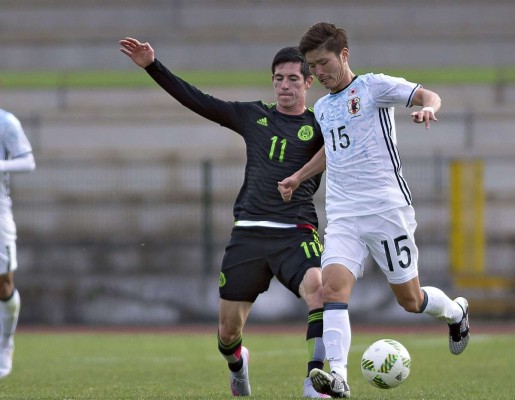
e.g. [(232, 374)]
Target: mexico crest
[(305, 133)]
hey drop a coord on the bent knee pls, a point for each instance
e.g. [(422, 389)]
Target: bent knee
[(314, 299), (310, 288), (227, 334), (411, 305)]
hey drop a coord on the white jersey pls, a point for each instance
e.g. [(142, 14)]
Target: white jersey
[(363, 171), (13, 143)]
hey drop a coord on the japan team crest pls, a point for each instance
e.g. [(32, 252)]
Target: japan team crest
[(353, 105)]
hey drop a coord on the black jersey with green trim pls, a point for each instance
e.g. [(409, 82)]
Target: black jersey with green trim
[(277, 145)]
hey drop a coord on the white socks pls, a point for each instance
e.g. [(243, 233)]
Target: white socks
[(337, 332), (441, 307), (9, 311), (337, 339)]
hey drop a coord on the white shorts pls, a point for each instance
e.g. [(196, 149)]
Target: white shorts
[(8, 261), (388, 236)]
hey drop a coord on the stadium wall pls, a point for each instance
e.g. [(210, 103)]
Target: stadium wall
[(64, 35), (103, 240)]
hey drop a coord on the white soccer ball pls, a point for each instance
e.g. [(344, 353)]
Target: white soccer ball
[(386, 364)]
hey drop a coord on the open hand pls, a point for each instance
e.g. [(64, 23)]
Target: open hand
[(425, 115), (141, 53)]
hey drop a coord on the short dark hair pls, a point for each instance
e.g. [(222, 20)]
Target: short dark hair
[(291, 54), (325, 35)]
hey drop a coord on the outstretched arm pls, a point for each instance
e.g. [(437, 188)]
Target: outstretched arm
[(314, 166), (225, 113), (141, 53), (430, 102)]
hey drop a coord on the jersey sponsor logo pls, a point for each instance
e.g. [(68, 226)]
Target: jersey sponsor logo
[(222, 280), (306, 133), (262, 121), (353, 105)]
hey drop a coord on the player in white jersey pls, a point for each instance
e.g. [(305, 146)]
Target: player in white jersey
[(15, 156), (368, 202), (362, 137)]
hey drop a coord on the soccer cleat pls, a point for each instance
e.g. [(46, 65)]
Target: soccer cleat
[(240, 384), (6, 361), (329, 383), (459, 333), (311, 393)]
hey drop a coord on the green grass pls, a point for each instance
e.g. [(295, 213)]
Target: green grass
[(137, 78), (188, 366), (123, 79)]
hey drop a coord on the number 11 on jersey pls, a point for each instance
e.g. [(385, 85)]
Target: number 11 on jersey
[(272, 148)]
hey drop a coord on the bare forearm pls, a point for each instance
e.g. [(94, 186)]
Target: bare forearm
[(430, 102), (427, 98), (312, 167), (20, 164)]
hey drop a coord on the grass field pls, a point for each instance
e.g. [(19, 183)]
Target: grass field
[(186, 365), (135, 78)]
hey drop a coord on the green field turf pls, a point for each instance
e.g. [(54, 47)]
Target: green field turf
[(136, 78), (187, 366)]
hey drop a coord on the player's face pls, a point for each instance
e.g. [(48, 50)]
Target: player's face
[(290, 88), (329, 68)]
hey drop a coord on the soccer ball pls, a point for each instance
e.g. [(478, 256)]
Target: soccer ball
[(385, 364)]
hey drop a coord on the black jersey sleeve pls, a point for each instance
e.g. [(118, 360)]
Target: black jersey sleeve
[(222, 112)]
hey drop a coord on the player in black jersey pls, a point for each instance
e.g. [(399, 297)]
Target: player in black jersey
[(270, 237)]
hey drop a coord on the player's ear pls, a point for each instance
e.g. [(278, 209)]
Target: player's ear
[(309, 81), (345, 54)]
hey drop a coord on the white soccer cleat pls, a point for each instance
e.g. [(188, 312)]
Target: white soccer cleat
[(6, 361), (329, 383), (459, 333), (311, 393), (240, 384)]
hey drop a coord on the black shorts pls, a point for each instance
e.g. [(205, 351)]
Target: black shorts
[(256, 254)]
